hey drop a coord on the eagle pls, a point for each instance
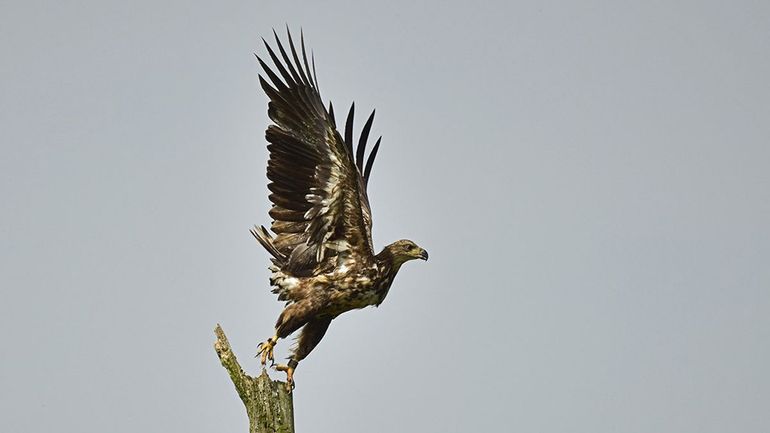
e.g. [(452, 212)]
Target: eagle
[(320, 238)]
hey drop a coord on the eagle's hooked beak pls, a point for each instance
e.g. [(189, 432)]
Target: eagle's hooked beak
[(424, 255)]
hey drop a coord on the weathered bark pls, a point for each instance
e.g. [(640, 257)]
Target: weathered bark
[(269, 404)]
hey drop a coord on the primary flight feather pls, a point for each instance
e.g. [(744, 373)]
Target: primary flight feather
[(321, 243)]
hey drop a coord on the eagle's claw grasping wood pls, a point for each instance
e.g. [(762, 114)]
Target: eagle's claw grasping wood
[(322, 253), (265, 350)]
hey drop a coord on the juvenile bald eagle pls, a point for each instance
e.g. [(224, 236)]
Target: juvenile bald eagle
[(322, 253)]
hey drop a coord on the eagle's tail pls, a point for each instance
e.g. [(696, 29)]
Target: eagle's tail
[(266, 240)]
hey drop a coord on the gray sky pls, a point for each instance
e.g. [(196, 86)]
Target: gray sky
[(591, 181)]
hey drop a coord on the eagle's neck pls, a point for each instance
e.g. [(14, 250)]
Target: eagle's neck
[(388, 263), (387, 268)]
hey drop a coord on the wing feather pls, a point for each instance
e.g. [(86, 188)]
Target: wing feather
[(317, 187), (370, 161), (361, 150), (349, 128)]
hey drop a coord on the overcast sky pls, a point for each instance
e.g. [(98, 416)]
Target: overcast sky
[(591, 179)]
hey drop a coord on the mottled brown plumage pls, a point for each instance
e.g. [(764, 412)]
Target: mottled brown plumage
[(322, 253)]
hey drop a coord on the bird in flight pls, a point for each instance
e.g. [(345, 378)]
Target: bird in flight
[(323, 258)]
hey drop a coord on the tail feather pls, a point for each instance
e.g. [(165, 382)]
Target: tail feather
[(266, 240)]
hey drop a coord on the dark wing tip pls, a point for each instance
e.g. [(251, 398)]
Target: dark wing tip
[(362, 140), (349, 128), (331, 114), (370, 161)]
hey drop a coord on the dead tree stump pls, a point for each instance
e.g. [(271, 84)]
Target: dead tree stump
[(269, 405)]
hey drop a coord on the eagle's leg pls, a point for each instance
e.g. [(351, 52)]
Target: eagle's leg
[(291, 318), (265, 350), (289, 369), (311, 335)]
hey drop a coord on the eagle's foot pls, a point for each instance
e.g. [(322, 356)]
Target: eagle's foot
[(265, 350), (289, 374)]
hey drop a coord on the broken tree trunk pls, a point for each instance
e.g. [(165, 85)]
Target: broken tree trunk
[(269, 404)]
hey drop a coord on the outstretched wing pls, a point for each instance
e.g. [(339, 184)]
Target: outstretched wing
[(318, 186)]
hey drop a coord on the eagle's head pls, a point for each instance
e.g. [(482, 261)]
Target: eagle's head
[(404, 250)]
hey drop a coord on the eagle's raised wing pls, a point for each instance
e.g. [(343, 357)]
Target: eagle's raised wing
[(318, 186)]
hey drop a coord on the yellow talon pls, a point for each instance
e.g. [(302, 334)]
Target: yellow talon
[(265, 350), (289, 375)]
